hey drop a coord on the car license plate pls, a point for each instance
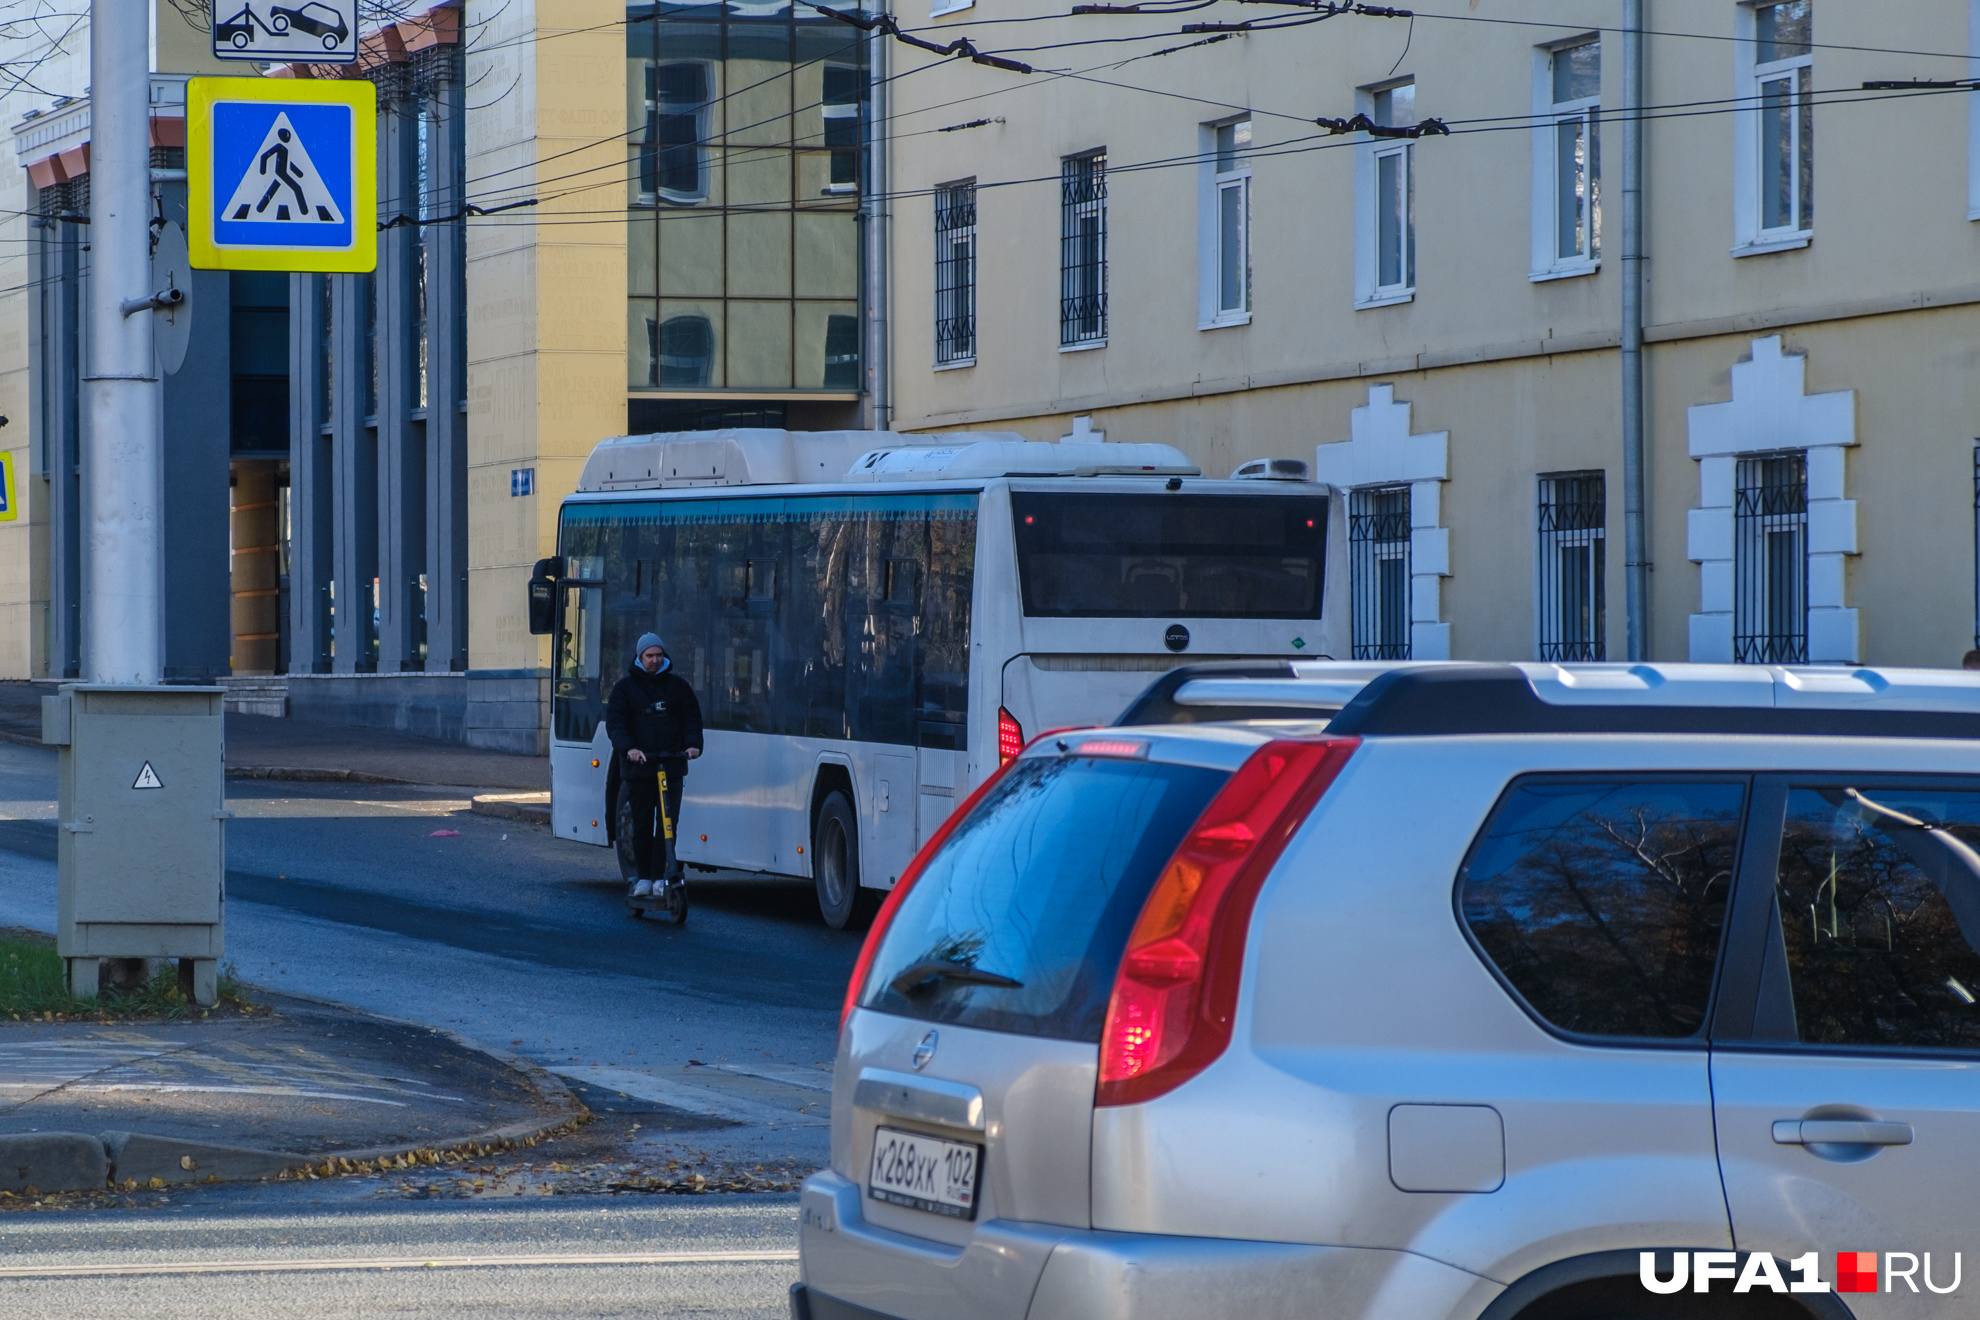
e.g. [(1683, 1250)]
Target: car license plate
[(924, 1172)]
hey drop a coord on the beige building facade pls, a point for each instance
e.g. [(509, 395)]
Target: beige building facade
[(594, 217), (1171, 249)]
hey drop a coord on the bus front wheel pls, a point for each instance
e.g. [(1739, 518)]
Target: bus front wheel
[(622, 835), (835, 861)]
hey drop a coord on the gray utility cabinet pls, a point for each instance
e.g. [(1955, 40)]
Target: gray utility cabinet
[(142, 851)]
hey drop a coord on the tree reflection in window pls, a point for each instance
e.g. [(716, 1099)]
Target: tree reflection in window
[(1603, 903), (1879, 893)]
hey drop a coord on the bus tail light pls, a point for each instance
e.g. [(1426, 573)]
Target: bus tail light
[(1176, 993), (1010, 737), (878, 930)]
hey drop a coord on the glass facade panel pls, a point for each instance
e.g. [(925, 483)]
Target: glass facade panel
[(745, 127), (760, 254), (759, 345)]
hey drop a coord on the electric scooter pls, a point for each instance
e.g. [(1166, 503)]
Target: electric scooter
[(670, 899)]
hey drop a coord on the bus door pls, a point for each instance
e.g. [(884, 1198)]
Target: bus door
[(577, 732)]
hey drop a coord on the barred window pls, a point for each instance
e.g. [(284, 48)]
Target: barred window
[(1770, 560), (955, 273), (1573, 510), (1378, 561), (1083, 249)]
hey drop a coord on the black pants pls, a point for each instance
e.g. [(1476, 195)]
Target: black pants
[(643, 780)]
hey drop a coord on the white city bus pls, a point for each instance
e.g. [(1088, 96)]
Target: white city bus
[(871, 621)]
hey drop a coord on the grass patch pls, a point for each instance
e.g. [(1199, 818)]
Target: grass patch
[(33, 986)]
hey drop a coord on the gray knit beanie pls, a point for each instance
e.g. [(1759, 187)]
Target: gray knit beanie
[(653, 639)]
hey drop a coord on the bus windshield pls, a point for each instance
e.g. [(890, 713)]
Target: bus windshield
[(1166, 556)]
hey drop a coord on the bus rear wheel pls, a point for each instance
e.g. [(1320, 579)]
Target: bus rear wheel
[(835, 861)]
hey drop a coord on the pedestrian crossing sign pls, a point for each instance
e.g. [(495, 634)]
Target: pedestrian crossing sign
[(282, 174), (10, 497)]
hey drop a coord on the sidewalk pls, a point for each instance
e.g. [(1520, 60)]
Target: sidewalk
[(84, 1106), (271, 747)]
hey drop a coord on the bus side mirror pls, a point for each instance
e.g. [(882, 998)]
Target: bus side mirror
[(543, 596)]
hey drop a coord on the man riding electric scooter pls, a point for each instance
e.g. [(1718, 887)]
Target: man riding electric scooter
[(654, 722)]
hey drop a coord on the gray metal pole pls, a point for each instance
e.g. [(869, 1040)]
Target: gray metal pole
[(1636, 551), (123, 471), (878, 208)]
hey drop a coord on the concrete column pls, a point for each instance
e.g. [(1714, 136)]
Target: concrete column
[(310, 482), (55, 383), (446, 425), (257, 571), (401, 448), (353, 479)]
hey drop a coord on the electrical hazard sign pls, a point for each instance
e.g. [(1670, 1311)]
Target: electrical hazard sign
[(281, 174)]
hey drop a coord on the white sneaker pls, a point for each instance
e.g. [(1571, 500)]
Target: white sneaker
[(644, 889)]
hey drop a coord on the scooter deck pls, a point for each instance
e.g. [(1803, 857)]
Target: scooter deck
[(639, 907)]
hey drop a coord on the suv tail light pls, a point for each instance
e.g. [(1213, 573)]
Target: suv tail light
[(1010, 737), (878, 930), (1177, 989)]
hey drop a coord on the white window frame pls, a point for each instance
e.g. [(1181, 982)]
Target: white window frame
[(1751, 237), (940, 7), (1369, 152), (1548, 115), (1973, 111), (1213, 184)]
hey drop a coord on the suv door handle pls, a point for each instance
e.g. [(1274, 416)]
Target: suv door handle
[(1839, 1132)]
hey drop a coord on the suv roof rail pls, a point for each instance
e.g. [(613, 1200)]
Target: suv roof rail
[(1815, 700), (1431, 697), (1157, 704)]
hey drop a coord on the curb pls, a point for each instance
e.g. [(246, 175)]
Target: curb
[(76, 1162), (533, 807), (311, 775)]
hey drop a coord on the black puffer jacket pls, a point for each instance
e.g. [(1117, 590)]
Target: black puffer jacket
[(657, 713)]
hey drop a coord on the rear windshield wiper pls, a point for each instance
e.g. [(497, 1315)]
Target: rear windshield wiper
[(926, 975)]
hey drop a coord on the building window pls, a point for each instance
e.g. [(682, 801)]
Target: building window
[(683, 350), (845, 93), (1083, 250), (1567, 213), (1573, 509), (258, 361), (673, 161), (1777, 146), (1227, 226), (955, 274), (1378, 559), (1770, 560), (1388, 190)]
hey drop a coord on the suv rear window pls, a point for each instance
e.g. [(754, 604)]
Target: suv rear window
[(1018, 924)]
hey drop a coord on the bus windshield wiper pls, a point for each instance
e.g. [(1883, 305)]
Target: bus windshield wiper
[(926, 975)]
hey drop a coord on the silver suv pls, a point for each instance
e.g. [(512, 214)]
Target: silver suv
[(1449, 994)]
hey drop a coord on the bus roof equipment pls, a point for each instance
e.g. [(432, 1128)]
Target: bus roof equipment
[(756, 456)]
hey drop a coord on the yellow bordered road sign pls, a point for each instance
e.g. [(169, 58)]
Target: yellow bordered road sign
[(10, 494), (282, 174)]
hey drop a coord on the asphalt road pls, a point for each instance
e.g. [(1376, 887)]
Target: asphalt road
[(502, 932), (508, 936), (721, 1257)]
